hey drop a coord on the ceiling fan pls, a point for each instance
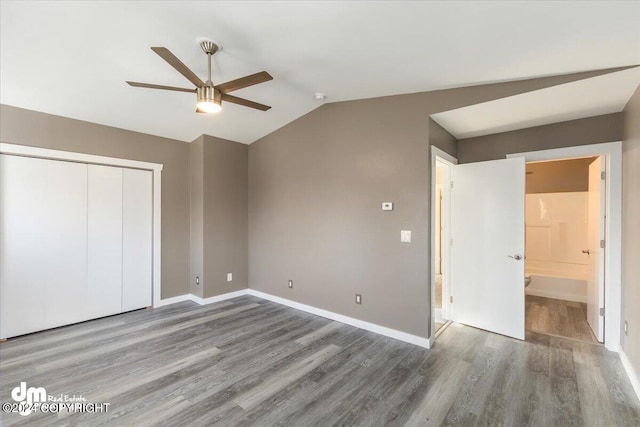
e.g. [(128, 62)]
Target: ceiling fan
[(210, 97)]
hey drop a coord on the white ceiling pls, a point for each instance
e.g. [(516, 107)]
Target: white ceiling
[(604, 94), (72, 58)]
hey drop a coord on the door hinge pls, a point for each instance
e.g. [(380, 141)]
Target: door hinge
[(603, 175), (451, 299), (451, 184), (602, 311), (602, 244)]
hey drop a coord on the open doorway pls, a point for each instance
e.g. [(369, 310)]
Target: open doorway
[(441, 220), (564, 266), (440, 210)]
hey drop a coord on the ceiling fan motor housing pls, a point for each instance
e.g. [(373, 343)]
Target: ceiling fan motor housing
[(209, 94)]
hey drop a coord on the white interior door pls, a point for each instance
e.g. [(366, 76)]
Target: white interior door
[(487, 256), (595, 233)]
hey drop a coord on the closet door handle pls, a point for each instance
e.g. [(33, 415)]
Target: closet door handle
[(586, 251), (517, 257)]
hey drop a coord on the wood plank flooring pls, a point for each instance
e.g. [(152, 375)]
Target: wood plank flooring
[(248, 361), (558, 317)]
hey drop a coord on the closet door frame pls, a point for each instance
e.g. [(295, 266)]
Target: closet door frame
[(155, 168)]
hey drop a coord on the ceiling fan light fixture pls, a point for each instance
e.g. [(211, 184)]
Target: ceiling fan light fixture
[(209, 100)]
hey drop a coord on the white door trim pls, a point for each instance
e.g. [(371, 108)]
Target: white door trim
[(156, 168), (438, 155), (613, 254)]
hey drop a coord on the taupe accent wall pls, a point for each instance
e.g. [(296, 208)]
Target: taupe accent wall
[(225, 215), (25, 127), (196, 161), (631, 229), (315, 193), (592, 130), (560, 176), (439, 137)]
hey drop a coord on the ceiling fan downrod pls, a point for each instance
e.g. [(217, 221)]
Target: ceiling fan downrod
[(209, 48)]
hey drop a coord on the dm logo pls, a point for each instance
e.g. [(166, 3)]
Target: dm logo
[(29, 396)]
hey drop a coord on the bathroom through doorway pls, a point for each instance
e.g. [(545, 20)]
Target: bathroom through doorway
[(564, 265)]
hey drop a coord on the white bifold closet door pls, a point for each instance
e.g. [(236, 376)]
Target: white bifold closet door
[(43, 243), (75, 242), (104, 246), (137, 235)]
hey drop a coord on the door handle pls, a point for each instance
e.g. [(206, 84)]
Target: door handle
[(517, 257), (586, 251)]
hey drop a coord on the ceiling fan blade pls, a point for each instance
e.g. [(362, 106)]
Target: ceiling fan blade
[(251, 80), (244, 102), (152, 86), (178, 65)]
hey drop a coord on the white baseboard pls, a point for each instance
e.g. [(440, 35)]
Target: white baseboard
[(631, 373), (555, 295), (172, 300), (218, 298), (372, 327)]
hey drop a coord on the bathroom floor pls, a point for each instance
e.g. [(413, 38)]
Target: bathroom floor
[(558, 317)]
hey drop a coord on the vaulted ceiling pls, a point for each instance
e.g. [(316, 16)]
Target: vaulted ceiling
[(72, 58)]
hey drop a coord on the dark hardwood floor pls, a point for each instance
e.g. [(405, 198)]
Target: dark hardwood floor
[(248, 361)]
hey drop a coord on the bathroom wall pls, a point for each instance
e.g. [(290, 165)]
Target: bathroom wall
[(556, 225), (558, 176)]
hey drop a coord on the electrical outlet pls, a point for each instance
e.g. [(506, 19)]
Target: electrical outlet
[(197, 280), (290, 283), (626, 328), (229, 277), (358, 299)]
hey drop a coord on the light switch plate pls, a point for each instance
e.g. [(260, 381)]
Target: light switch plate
[(387, 206), (229, 277), (405, 236)]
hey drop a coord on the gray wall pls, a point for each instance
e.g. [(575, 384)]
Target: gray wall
[(25, 127), (592, 130), (439, 137), (225, 216), (315, 189), (196, 161), (558, 176), (631, 229)]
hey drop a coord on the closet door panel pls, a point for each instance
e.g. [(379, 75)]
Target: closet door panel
[(104, 247), (43, 238), (137, 237)]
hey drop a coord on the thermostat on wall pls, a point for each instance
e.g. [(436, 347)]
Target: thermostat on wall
[(387, 206)]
